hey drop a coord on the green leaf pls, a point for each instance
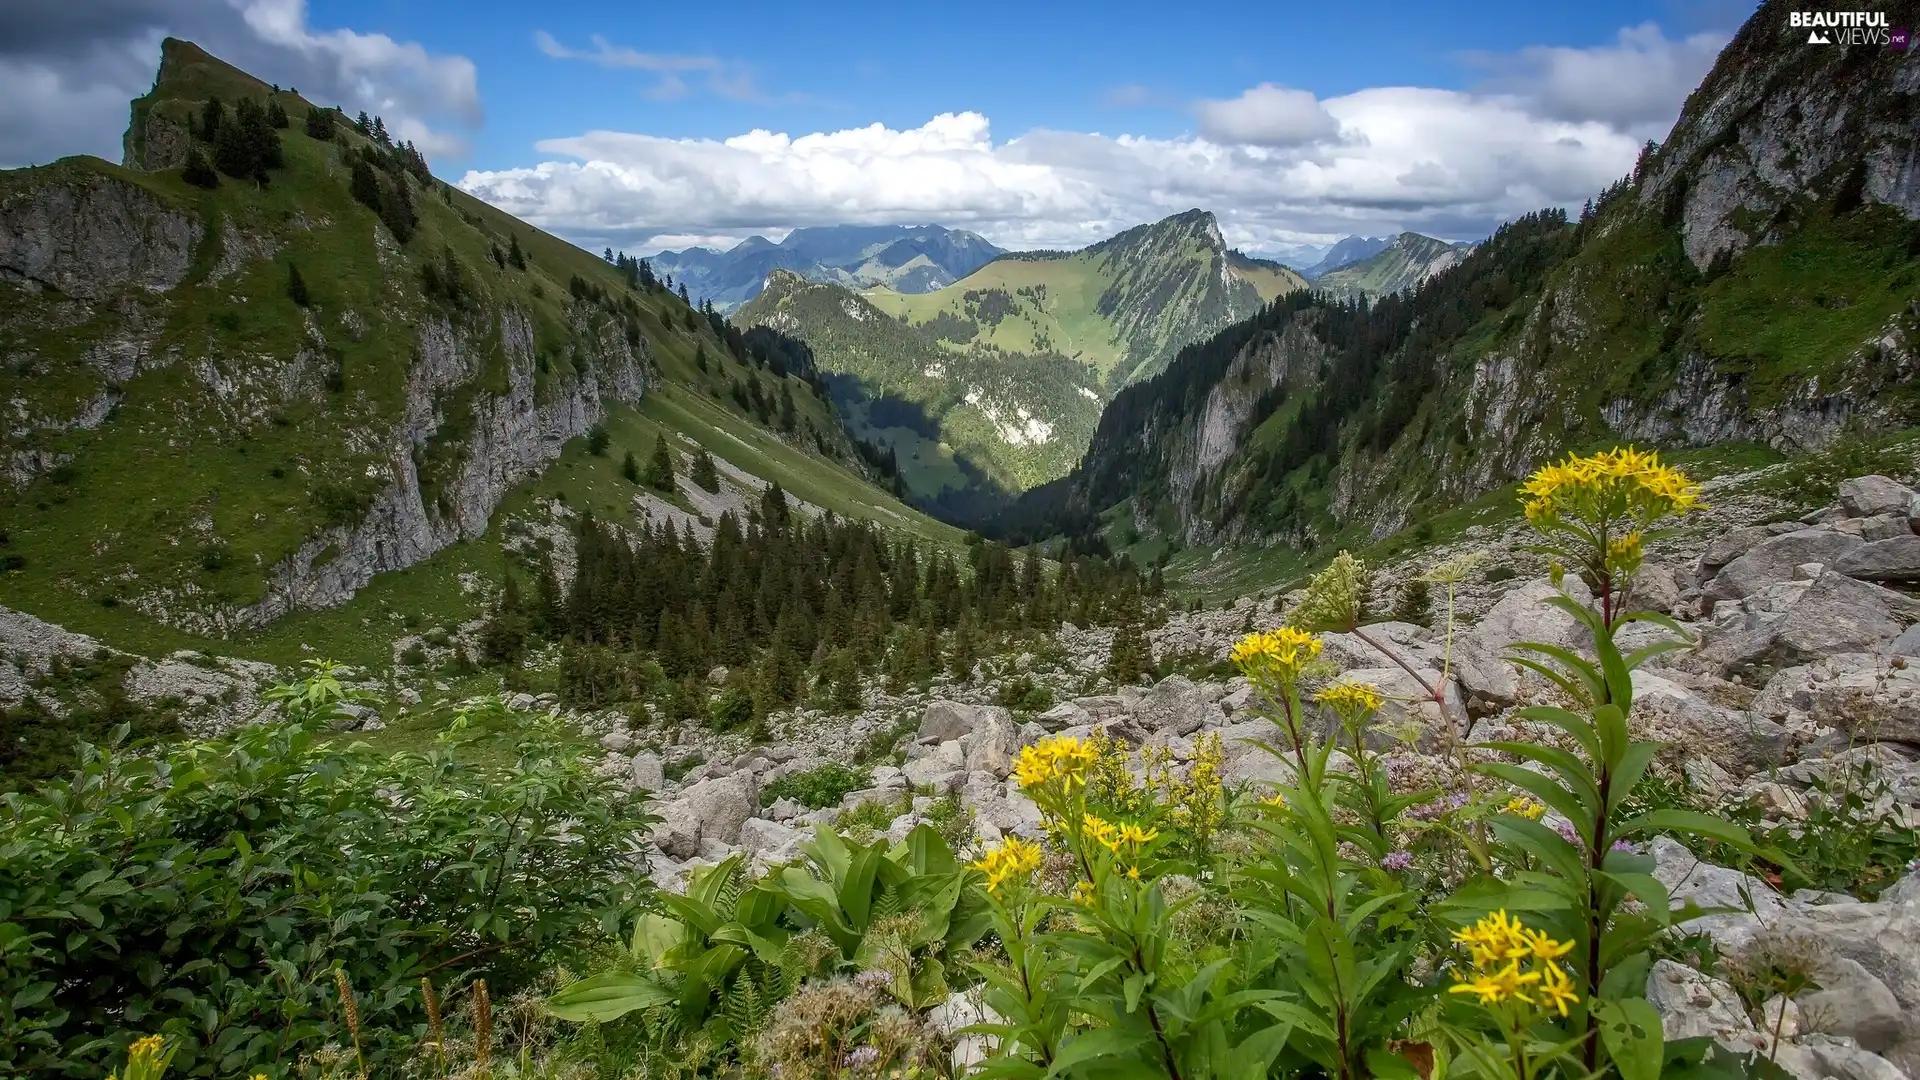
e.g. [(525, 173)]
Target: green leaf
[(1578, 726), (1630, 1029), (1685, 821), (1095, 1044), (608, 997)]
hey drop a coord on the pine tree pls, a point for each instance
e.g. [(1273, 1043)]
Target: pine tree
[(364, 185), (276, 116), (700, 357), (362, 124), (514, 255), (961, 658), (786, 408), (198, 172), (630, 468), (297, 287), (846, 683), (396, 209), (704, 473), (660, 465), (320, 124), (597, 440), (380, 132), (211, 116)]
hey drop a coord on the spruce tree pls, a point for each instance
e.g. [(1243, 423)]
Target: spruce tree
[(660, 465), (515, 256), (597, 440), (198, 172), (364, 185), (211, 116), (846, 683), (276, 116), (396, 209), (380, 132), (961, 659), (630, 468), (297, 287), (704, 473), (362, 124), (320, 124), (700, 357)]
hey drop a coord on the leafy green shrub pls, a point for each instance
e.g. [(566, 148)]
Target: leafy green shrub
[(1022, 694), (208, 893), (824, 785), (733, 709)]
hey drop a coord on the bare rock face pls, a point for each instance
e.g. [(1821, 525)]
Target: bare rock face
[(514, 435), (90, 236)]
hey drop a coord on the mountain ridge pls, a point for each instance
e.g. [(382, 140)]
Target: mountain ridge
[(909, 258), (1757, 278), (1405, 261)]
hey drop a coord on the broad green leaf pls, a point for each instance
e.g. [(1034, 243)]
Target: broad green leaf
[(1630, 1029), (1095, 1044), (607, 997)]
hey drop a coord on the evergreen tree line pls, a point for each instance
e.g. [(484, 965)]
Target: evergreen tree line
[(795, 607), (244, 144)]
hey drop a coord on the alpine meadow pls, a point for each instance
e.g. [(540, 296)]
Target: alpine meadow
[(576, 547)]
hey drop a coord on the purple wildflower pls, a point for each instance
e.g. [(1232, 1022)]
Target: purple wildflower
[(1627, 846), (1567, 832), (863, 1058), (1438, 808), (1396, 860), (873, 980)]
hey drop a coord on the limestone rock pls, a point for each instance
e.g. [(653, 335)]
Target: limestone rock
[(946, 720), (713, 809), (1175, 706), (1776, 559), (1896, 558), (1737, 741), (1692, 1005), (1835, 614), (649, 774), (965, 1009), (768, 839), (1866, 496)]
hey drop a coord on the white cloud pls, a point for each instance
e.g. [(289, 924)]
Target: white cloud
[(1267, 115), (1637, 83), (68, 69), (730, 80), (1446, 162)]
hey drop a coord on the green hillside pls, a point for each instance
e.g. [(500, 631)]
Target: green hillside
[(1408, 261), (1122, 307), (194, 439)]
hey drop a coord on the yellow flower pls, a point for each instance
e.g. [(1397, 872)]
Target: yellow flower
[(1507, 984), (1281, 653), (1061, 757), (1135, 835), (1133, 873), (1525, 807), (147, 1046), (1557, 988), (1609, 484), (1083, 892), (1100, 832), (1275, 800), (1014, 858), (1351, 698), (1543, 947)]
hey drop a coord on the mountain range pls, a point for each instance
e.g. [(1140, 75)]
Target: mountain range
[(1011, 364), (1756, 278), (905, 258), (1402, 262)]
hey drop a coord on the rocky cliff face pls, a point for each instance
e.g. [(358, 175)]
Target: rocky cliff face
[(88, 235), (514, 436), (1778, 120)]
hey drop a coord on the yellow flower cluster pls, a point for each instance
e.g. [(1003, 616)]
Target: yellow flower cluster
[(1610, 482), (1524, 807), (1498, 947), (1114, 837), (1061, 757), (1351, 698), (1013, 860), (147, 1059), (1281, 653), (1275, 800)]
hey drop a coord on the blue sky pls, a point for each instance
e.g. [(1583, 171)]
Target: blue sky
[(611, 122)]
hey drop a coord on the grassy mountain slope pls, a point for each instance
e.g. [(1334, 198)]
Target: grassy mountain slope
[(192, 453), (1122, 306), (1019, 419), (1757, 279), (1406, 262)]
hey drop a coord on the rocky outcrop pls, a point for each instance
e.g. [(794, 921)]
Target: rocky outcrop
[(88, 234), (217, 693), (512, 436)]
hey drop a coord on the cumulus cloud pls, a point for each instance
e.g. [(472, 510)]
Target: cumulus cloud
[(1267, 115), (1446, 162), (1636, 84), (67, 70)]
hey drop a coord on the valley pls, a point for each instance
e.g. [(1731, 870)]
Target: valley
[(433, 648)]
